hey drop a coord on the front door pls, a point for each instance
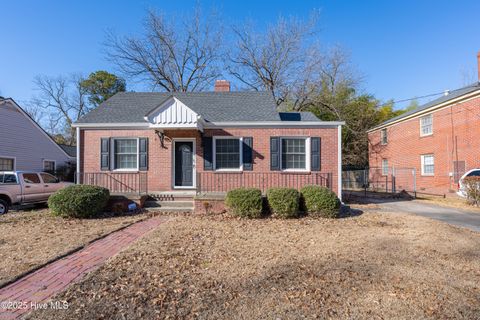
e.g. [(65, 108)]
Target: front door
[(183, 164)]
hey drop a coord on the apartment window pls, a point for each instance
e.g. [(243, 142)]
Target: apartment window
[(294, 154), (426, 125), (428, 164), (384, 167), (125, 154), (384, 136), (227, 153), (7, 164), (48, 166)]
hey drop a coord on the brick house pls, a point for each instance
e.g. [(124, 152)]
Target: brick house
[(440, 140), (204, 142)]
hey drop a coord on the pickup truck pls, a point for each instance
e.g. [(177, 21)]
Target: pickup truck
[(22, 187)]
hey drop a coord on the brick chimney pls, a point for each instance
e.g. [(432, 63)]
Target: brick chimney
[(478, 65), (223, 85)]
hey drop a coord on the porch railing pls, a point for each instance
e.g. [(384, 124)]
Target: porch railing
[(116, 182), (224, 181)]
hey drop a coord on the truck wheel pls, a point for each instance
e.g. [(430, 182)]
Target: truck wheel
[(3, 206)]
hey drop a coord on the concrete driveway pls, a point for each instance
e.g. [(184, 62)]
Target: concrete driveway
[(457, 217)]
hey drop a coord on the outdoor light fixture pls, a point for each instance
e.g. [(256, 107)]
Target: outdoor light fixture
[(161, 135)]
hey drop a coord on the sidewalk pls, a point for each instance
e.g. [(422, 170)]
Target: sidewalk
[(38, 287)]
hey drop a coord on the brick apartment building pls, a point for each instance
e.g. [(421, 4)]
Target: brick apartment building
[(440, 140)]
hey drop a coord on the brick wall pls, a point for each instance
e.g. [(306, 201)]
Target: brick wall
[(456, 131), (160, 159)]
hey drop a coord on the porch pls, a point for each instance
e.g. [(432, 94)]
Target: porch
[(206, 182)]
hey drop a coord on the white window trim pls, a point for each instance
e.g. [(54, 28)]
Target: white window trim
[(421, 131), (383, 171), (382, 136), (422, 162), (14, 162), (307, 154), (112, 158), (48, 160), (215, 138)]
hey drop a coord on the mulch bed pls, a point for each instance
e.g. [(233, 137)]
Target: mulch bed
[(371, 266)]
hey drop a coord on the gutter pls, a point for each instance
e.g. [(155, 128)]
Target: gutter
[(428, 110)]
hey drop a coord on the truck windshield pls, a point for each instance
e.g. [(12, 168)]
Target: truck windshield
[(8, 178)]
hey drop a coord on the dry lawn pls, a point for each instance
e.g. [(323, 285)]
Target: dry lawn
[(372, 266), (31, 238), (451, 202)]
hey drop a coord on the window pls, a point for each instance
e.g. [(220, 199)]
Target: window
[(7, 164), (428, 167), (227, 153), (125, 154), (48, 178), (384, 167), (426, 125), (31, 178), (384, 136), (8, 179), (294, 155), (48, 166)]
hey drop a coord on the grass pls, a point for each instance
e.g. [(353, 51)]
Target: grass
[(450, 202), (374, 265), (30, 238)]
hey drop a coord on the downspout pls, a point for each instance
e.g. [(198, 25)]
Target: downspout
[(78, 156), (339, 183)]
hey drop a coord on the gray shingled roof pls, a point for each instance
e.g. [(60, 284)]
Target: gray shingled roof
[(450, 96), (70, 150), (128, 107)]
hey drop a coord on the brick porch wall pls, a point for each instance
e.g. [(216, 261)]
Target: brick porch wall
[(456, 125), (160, 159)]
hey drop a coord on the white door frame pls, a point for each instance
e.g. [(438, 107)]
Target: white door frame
[(194, 167)]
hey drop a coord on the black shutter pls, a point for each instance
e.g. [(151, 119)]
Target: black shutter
[(207, 153), (315, 150), (143, 154), (247, 153), (104, 154), (274, 153)]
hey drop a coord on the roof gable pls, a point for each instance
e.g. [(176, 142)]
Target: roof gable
[(173, 112), (11, 104)]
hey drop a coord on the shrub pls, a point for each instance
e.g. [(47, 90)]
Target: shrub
[(321, 201), (79, 201), (472, 190), (284, 202), (245, 202)]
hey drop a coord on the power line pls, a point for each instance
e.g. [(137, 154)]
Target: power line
[(426, 96)]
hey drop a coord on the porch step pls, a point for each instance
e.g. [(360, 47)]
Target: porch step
[(173, 196), (169, 204)]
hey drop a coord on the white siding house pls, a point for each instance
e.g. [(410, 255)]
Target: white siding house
[(24, 145)]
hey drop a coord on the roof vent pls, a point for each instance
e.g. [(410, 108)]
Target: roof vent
[(446, 93)]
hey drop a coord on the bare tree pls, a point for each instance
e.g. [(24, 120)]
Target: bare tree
[(63, 99), (35, 111), (171, 57), (285, 60)]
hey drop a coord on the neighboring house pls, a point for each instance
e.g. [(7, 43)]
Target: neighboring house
[(440, 140), (206, 142), (24, 145), (70, 150)]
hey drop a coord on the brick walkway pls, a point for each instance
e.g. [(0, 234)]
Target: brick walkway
[(39, 286)]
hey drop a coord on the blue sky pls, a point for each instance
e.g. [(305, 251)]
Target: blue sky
[(403, 48)]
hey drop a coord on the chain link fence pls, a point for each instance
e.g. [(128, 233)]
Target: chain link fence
[(386, 179)]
